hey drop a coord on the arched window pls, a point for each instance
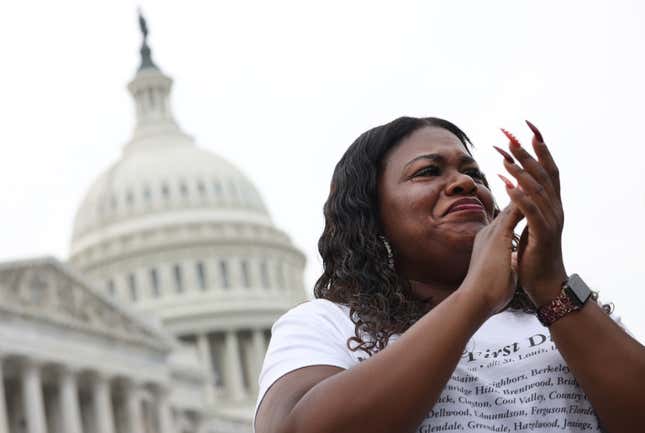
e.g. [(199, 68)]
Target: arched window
[(179, 283), (132, 284), (154, 283), (184, 189), (246, 274), (201, 188), (223, 270), (110, 288), (201, 275)]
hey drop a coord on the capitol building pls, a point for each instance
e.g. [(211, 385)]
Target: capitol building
[(159, 319)]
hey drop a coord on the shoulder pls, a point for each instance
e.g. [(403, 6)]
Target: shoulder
[(315, 323), (312, 333), (317, 310)]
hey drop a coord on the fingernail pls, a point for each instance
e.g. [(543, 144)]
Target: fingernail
[(505, 154), (514, 141), (507, 182), (536, 131)]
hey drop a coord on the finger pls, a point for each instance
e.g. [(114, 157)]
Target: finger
[(530, 164), (509, 218), (527, 207), (548, 204), (544, 156)]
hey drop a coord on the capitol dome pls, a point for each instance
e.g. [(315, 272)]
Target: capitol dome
[(183, 236), (174, 180)]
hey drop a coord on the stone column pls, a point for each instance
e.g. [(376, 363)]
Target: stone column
[(234, 381), (4, 420), (70, 409), (133, 408), (102, 401), (164, 410), (206, 354), (259, 350), (32, 398)]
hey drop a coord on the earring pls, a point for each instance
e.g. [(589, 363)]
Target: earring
[(388, 248)]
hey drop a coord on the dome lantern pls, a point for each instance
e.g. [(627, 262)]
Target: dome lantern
[(150, 90)]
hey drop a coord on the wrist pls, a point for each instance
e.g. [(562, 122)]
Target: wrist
[(483, 306), (546, 290), (573, 296)]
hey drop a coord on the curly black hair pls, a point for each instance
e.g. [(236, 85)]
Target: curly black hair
[(355, 259)]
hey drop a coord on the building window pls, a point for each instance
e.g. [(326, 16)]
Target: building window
[(217, 355), (132, 284), (165, 191), (264, 274), (184, 189), (246, 277), (110, 288), (129, 198), (244, 356), (223, 269), (179, 284), (154, 282), (201, 188), (201, 275)]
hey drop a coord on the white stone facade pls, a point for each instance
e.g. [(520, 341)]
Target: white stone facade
[(73, 361)]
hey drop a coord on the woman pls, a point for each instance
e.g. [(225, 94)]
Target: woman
[(420, 323)]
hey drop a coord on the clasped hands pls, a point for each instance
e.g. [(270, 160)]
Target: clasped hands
[(540, 268)]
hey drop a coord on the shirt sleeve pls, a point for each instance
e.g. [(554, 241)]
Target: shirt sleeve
[(313, 333)]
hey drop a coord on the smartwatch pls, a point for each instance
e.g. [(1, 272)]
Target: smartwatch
[(573, 296)]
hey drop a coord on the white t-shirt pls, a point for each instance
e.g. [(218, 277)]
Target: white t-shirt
[(510, 378)]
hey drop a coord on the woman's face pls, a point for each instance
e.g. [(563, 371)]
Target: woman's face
[(432, 203)]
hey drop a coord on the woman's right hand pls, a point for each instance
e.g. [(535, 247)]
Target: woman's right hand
[(490, 273)]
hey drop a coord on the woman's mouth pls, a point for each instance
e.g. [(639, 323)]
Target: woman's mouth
[(467, 208), (466, 204)]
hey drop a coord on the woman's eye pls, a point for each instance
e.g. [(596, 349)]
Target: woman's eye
[(430, 170), (475, 173)]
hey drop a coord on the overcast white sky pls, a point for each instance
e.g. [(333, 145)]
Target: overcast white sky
[(282, 88)]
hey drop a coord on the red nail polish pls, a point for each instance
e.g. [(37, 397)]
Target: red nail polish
[(505, 154), (514, 141), (536, 131), (507, 182)]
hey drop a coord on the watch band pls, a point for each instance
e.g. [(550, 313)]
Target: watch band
[(573, 296)]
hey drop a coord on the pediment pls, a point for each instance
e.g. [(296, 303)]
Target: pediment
[(47, 289)]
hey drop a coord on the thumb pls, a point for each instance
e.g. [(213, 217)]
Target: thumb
[(509, 217)]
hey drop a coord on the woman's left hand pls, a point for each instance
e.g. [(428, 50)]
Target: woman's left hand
[(541, 269)]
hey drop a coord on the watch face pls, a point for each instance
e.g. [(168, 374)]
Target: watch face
[(578, 287)]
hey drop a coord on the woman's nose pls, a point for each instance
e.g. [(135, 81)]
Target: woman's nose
[(461, 184)]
